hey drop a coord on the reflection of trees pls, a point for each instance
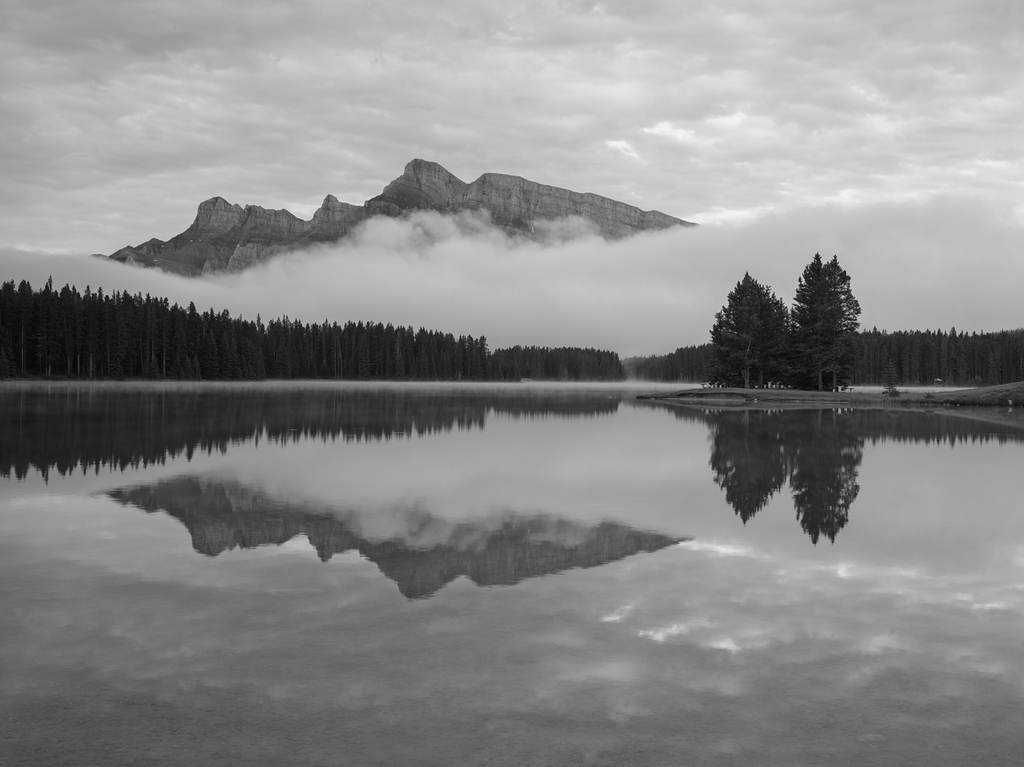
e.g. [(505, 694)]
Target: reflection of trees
[(753, 452), (419, 552), (827, 455), (747, 459), (119, 426)]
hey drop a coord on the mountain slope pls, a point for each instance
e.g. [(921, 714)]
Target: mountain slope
[(226, 237)]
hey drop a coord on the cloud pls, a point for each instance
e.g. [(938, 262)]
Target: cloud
[(117, 118), (623, 147), (685, 135), (915, 265)]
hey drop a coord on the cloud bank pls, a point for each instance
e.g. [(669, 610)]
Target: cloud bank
[(117, 118), (946, 262)]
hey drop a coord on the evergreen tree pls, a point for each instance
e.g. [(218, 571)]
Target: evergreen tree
[(230, 362), (363, 354), (749, 336), (6, 366), (890, 380), (179, 360), (824, 337), (210, 363)]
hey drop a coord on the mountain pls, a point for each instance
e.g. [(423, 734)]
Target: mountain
[(417, 550), (226, 237)]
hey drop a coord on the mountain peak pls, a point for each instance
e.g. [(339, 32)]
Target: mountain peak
[(423, 185), (217, 214), (225, 236)]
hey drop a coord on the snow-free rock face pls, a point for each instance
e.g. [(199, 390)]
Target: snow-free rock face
[(423, 186), (229, 237), (226, 237), (516, 203), (333, 220), (217, 215)]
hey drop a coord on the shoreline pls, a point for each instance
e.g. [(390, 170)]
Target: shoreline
[(1002, 404)]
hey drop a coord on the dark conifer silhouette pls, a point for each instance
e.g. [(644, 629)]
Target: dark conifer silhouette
[(749, 336), (954, 358), (71, 335), (824, 328)]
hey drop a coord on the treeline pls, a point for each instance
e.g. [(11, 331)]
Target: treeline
[(818, 342), (563, 364), (86, 427), (687, 364), (924, 356), (50, 333), (955, 357)]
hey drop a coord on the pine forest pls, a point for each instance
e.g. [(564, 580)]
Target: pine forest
[(51, 333), (67, 334), (919, 357)]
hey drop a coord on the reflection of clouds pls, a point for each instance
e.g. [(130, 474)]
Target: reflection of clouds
[(604, 689), (575, 467), (1018, 557), (616, 615), (779, 608), (853, 570), (725, 643), (884, 643), (982, 663), (992, 606), (608, 671), (754, 640), (749, 637), (721, 549), (676, 629), (298, 545)]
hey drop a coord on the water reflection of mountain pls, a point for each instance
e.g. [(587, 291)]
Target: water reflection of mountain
[(94, 427), (419, 551), (755, 452)]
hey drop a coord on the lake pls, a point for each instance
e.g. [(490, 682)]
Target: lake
[(506, 575)]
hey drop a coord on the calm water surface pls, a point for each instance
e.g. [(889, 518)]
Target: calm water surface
[(359, 575)]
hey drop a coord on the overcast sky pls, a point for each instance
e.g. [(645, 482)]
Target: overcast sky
[(888, 133)]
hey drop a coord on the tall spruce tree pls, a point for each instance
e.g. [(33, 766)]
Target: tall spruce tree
[(749, 336), (825, 340)]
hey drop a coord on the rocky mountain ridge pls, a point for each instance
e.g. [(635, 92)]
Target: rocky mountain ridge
[(227, 237)]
